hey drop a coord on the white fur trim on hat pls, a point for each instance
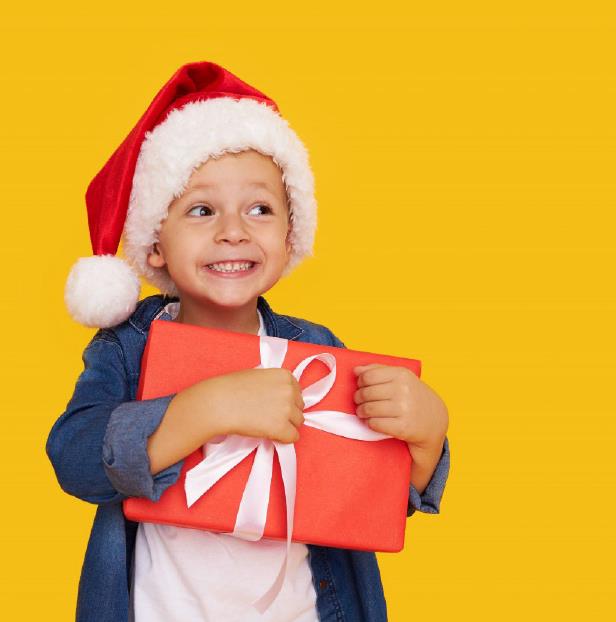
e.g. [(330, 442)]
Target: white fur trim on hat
[(101, 291), (185, 140)]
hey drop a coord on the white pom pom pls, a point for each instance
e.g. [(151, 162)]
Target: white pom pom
[(101, 291)]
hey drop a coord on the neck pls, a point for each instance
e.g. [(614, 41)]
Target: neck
[(237, 319)]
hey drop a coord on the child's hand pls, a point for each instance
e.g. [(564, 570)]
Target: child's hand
[(263, 403), (394, 401), (266, 403)]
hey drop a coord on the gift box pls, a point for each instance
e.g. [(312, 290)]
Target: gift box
[(348, 492)]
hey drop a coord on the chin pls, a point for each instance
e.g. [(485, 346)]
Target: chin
[(231, 301)]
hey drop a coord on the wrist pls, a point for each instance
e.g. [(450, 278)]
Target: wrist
[(427, 450), (423, 465), (201, 398)]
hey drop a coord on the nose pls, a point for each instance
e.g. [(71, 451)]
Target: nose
[(231, 228)]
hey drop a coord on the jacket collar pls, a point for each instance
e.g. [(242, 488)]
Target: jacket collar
[(276, 325)]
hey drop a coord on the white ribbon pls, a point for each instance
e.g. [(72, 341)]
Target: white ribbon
[(222, 456)]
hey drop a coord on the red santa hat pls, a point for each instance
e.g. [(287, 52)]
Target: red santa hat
[(203, 111)]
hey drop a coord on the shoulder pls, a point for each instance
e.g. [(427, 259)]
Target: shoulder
[(136, 326), (122, 345)]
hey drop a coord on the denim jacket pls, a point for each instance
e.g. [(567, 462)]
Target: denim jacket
[(98, 449)]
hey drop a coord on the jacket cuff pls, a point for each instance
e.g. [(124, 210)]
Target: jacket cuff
[(430, 501), (125, 457)]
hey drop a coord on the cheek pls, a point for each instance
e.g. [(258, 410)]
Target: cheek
[(279, 246), (178, 242), (281, 236)]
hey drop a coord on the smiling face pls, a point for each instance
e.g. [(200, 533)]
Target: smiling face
[(234, 209)]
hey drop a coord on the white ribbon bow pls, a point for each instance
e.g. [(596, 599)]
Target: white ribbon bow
[(222, 456)]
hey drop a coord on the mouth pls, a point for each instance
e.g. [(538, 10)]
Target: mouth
[(232, 269)]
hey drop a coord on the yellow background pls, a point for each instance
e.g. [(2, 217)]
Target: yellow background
[(464, 161)]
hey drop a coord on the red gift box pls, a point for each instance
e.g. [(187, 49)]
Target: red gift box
[(350, 493)]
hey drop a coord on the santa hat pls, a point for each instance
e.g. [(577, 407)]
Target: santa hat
[(203, 111)]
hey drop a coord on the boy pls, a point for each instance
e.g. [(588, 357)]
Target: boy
[(213, 197)]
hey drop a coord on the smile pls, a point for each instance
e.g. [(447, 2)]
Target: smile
[(231, 266), (232, 269)]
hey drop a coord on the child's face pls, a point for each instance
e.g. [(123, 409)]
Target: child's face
[(242, 214)]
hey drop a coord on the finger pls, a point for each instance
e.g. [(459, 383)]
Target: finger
[(386, 425), (361, 368), (378, 408), (299, 400), (373, 392), (374, 375), (297, 417), (291, 435)]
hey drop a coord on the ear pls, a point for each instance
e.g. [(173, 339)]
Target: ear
[(156, 258)]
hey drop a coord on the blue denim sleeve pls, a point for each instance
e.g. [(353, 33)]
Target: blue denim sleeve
[(125, 457), (430, 500), (98, 446)]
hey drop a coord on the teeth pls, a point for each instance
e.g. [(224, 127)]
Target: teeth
[(231, 267)]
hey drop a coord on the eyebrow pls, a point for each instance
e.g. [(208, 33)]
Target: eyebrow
[(252, 184)]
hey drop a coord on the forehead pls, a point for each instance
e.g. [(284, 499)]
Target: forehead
[(238, 174), (201, 185), (248, 169)]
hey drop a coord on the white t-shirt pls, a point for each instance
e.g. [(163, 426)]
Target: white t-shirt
[(191, 575)]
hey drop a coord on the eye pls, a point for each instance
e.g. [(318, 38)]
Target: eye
[(198, 210), (267, 208)]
